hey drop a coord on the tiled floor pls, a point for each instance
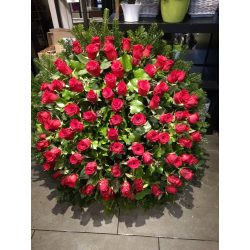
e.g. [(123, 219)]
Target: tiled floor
[(190, 224)]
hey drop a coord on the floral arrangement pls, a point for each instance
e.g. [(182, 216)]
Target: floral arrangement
[(117, 121)]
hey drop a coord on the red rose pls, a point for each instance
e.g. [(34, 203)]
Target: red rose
[(52, 125), (166, 118), (176, 76), (181, 115), (163, 63), (103, 185), (181, 128), (122, 88), (66, 133), (154, 102), (49, 97), (191, 102), (116, 148), (96, 40), (171, 189), (185, 142), (56, 175), (112, 134), (181, 96), (43, 116), (126, 44), (110, 52), (62, 67), (138, 185), (57, 85), (150, 69), (146, 52), (90, 168), (71, 109), (52, 154), (107, 93), (187, 174), (186, 158), (152, 136), (125, 189), (133, 162), (137, 148), (46, 86), (147, 158), (88, 189), (89, 116), (117, 104), (109, 39), (42, 136), (160, 89), (92, 96), (137, 54), (173, 159), (75, 158), (110, 80), (107, 195), (174, 180), (92, 50), (193, 118), (42, 145), (138, 119), (76, 125), (143, 87), (93, 68), (77, 48), (155, 190), (69, 180), (48, 166), (115, 120), (116, 170), (193, 160), (83, 145), (75, 85), (164, 137), (117, 68), (196, 136)]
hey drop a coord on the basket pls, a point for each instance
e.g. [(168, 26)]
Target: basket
[(149, 8), (203, 8)]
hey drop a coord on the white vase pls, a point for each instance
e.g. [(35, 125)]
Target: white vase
[(131, 12)]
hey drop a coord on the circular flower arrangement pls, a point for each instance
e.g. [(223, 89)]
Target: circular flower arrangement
[(120, 124)]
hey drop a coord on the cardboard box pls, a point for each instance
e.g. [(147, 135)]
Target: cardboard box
[(49, 51), (54, 35)]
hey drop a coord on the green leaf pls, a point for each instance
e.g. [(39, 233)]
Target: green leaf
[(147, 127), (82, 59), (60, 104), (82, 72), (76, 65), (126, 62), (67, 95), (136, 106), (94, 144), (105, 64), (132, 85), (159, 170), (83, 175), (140, 74), (160, 151), (130, 176), (142, 194)]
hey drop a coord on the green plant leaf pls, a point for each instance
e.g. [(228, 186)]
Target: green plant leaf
[(67, 95), (105, 64), (126, 62), (142, 194), (82, 59), (136, 106), (140, 74)]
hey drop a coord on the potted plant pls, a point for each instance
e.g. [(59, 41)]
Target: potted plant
[(131, 10), (174, 11)]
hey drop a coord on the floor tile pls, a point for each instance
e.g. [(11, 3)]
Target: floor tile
[(32, 232), (213, 142), (47, 214), (195, 216), (37, 171), (46, 240), (177, 244)]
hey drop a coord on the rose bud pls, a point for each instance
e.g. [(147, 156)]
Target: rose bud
[(43, 116), (117, 104), (110, 51), (110, 80), (96, 40), (152, 136), (62, 67), (173, 159), (90, 168), (69, 180), (196, 136), (112, 134), (187, 174), (116, 170), (92, 96), (138, 119), (77, 48), (181, 115), (122, 88), (49, 97), (88, 189), (115, 120), (193, 118), (138, 185), (146, 52), (75, 158), (155, 190), (181, 128), (57, 85), (166, 118), (117, 68), (164, 137), (137, 148), (147, 158), (176, 76), (93, 68), (107, 93), (76, 85), (171, 189), (84, 144), (154, 102), (89, 116), (71, 109), (174, 180), (185, 142), (126, 44), (92, 50), (160, 89), (150, 69), (103, 185), (66, 133), (191, 102), (143, 87), (133, 163), (125, 189), (116, 148)]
